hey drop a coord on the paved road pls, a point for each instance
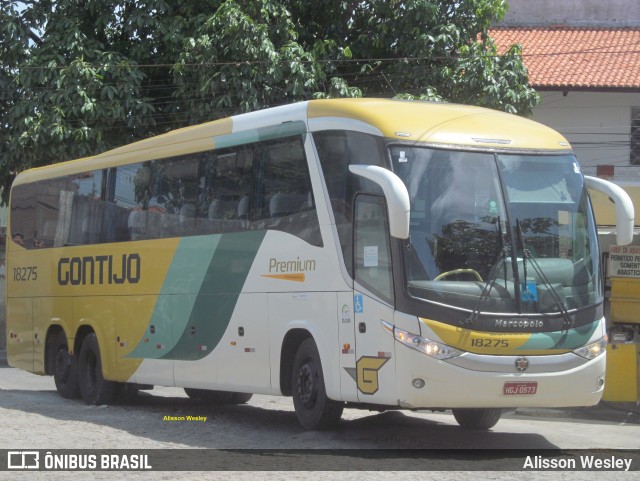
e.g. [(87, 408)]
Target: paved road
[(32, 415)]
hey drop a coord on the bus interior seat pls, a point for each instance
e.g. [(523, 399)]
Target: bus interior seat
[(282, 205), (243, 208), (49, 232), (222, 209), (187, 211), (86, 230), (137, 224)]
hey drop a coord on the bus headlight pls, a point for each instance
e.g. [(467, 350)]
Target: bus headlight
[(426, 346), (593, 350)]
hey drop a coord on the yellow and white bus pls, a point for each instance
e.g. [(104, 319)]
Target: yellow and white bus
[(363, 252)]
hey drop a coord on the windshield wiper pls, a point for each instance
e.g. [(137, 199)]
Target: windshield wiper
[(526, 255), (491, 281)]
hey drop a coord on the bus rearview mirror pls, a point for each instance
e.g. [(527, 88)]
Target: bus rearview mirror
[(396, 194)]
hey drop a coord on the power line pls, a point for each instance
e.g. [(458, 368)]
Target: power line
[(240, 62)]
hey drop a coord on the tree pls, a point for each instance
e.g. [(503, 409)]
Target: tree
[(82, 76), (246, 57), (422, 49)]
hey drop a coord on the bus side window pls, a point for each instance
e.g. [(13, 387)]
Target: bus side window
[(225, 183), (282, 196), (372, 248), (174, 193), (337, 149), (87, 208), (131, 192), (24, 213)]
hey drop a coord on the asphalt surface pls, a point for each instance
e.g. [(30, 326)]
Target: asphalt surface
[(34, 416)]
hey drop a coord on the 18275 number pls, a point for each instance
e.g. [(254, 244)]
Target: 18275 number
[(483, 342), (24, 274)]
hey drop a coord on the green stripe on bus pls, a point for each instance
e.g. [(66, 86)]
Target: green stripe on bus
[(218, 295), (185, 276), (570, 339), (286, 129)]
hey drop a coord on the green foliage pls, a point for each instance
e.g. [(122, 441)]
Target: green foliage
[(81, 76), (421, 49), (246, 57)]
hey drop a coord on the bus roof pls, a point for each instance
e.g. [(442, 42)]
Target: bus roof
[(444, 123), (435, 123)]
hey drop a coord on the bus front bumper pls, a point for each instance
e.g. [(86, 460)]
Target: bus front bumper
[(474, 381)]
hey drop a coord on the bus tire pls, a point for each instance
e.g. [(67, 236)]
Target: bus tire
[(482, 419), (94, 388), (65, 369), (313, 408), (127, 393), (241, 398)]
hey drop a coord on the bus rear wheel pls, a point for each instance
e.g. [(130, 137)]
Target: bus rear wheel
[(481, 419), (127, 392), (94, 388), (313, 408), (65, 369)]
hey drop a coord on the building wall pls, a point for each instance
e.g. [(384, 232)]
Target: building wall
[(603, 13), (598, 125)]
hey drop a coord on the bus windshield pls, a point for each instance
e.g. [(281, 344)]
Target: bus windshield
[(498, 233)]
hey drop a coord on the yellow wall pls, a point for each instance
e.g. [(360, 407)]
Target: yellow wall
[(604, 209)]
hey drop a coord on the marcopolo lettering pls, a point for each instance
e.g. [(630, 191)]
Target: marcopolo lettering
[(519, 323), (103, 269)]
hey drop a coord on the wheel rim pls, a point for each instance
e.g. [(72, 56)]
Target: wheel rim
[(307, 385)]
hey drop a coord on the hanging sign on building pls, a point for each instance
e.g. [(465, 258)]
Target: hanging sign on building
[(624, 261)]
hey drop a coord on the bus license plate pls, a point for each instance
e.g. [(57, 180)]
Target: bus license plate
[(520, 388)]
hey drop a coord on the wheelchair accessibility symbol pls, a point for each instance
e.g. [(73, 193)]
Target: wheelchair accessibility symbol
[(358, 306)]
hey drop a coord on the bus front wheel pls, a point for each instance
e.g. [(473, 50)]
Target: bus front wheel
[(313, 408), (477, 418), (94, 388)]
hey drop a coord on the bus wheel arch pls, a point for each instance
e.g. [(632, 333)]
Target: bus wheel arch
[(94, 388), (82, 332), (290, 345), (62, 364)]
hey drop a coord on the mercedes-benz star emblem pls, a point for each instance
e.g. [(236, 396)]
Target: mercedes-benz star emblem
[(522, 363)]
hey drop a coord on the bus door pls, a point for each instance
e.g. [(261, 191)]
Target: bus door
[(348, 377), (372, 302)]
